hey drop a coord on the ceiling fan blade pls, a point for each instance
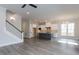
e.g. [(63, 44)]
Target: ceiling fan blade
[(33, 5), (23, 5)]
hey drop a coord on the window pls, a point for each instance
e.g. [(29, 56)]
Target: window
[(64, 29), (67, 29), (71, 29)]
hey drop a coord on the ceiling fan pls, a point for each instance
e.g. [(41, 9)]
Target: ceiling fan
[(32, 5)]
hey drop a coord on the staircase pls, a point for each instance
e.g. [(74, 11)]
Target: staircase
[(9, 34)]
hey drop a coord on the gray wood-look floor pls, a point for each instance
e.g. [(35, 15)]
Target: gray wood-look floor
[(40, 47)]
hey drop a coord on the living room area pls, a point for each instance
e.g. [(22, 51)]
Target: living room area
[(50, 29)]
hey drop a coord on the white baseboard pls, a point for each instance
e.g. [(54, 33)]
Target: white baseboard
[(10, 43)]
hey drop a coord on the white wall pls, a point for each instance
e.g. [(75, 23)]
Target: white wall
[(2, 19), (26, 28), (6, 38)]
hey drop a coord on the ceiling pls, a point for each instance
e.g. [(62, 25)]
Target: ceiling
[(45, 11)]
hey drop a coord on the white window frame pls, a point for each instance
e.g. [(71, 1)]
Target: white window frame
[(67, 29)]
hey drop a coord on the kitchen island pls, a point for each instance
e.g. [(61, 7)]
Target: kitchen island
[(46, 36)]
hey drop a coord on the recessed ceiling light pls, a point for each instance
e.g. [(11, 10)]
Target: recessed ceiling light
[(28, 12)]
